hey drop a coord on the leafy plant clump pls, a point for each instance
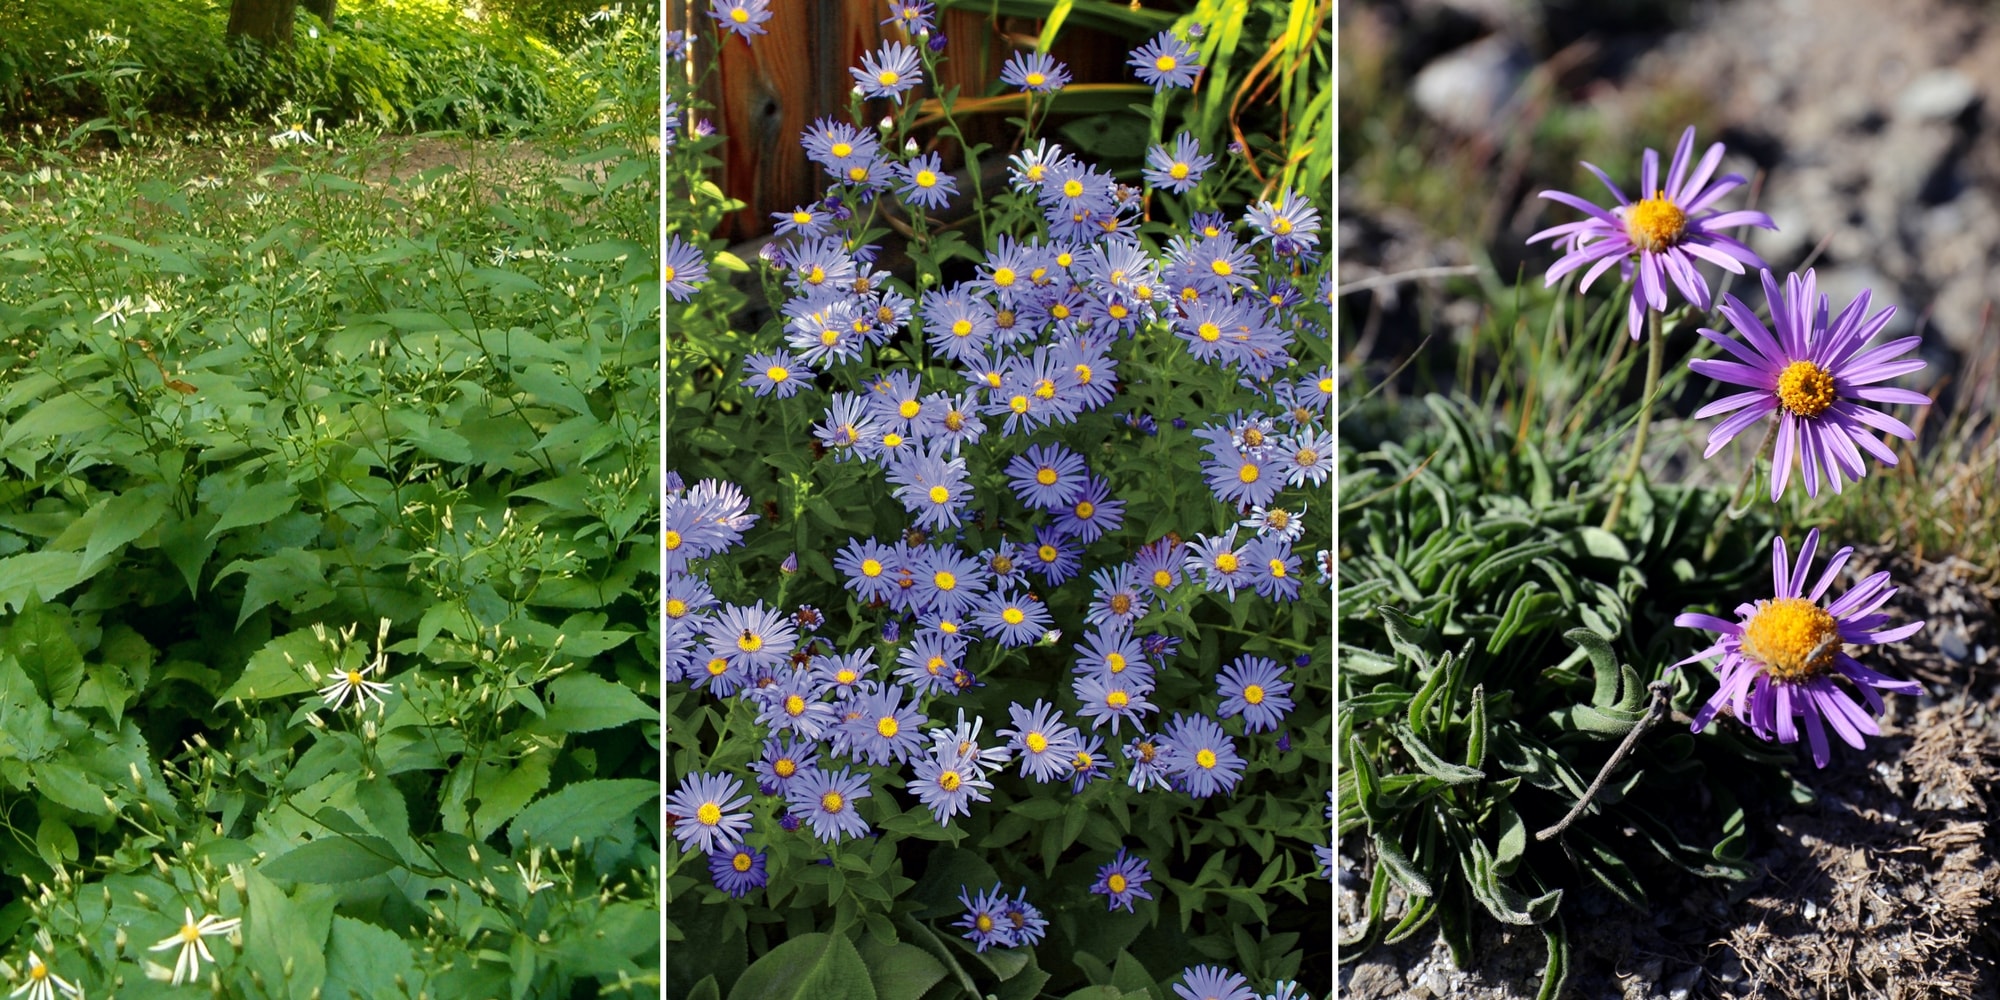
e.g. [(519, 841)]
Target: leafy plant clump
[(328, 566)]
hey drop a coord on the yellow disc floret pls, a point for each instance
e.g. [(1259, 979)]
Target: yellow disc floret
[(1792, 637), (1805, 389), (709, 814), (1655, 223)]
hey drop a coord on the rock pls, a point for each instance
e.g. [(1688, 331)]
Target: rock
[(1471, 89), (1937, 96)]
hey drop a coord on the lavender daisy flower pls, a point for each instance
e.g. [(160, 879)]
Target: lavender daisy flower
[(1273, 568), (928, 663), (777, 374), (745, 17), (1092, 513), (885, 730), (825, 802), (1159, 562), (843, 676), (931, 487), (1112, 700), (1024, 921), (802, 220), (1780, 660), (888, 71), (867, 565), (948, 785), (984, 921), (1034, 71), (792, 705), (1123, 881), (1206, 982), (1668, 232), (1219, 561), (1089, 763), (1165, 62), (1148, 758), (1814, 375), (1055, 554), (1251, 686), (950, 581), (1179, 169), (783, 760), (913, 15), (1014, 621), (1112, 653), (1202, 756), (751, 638), (1292, 225), (1044, 742), (925, 181), (1048, 476), (737, 871), (1306, 457), (962, 740), (706, 816), (1118, 599), (684, 269)]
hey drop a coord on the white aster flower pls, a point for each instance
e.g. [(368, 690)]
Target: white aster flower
[(42, 982), (293, 136), (356, 682), (1277, 521), (187, 965)]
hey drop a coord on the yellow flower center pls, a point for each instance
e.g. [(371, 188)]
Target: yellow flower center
[(1655, 223), (739, 15), (1221, 268), (984, 922), (1045, 389), (935, 665), (908, 408), (1253, 693), (1117, 699), (1326, 384), (949, 781), (1037, 172), (1037, 742), (829, 337), (668, 272), (954, 420), (354, 678), (1209, 332), (943, 579), (191, 934), (802, 218), (1165, 64), (817, 275), (1013, 616), (846, 676), (832, 802), (777, 373), (785, 767), (1035, 79), (1205, 758), (717, 666), (676, 607), (1003, 564), (1121, 604), (673, 539), (1073, 188), (1115, 883), (1045, 476), (1003, 276), (38, 972), (1115, 662), (1278, 568), (1085, 508), (887, 727), (1178, 171), (1059, 311), (709, 814), (1019, 404), (926, 178), (1118, 310), (795, 705), (870, 567), (1794, 638), (857, 174), (892, 439), (1082, 761), (1163, 578), (888, 77), (1281, 225), (1226, 562), (841, 150), (1253, 437), (1065, 258), (749, 641), (1046, 553), (1248, 473), (741, 862), (1805, 389)]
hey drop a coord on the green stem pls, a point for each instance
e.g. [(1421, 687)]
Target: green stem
[(1656, 353)]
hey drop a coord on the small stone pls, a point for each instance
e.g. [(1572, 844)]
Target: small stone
[(1940, 95), (1470, 88)]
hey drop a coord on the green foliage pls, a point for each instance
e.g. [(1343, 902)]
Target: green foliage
[(1496, 644), (275, 429)]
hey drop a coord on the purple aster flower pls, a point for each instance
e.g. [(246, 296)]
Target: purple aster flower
[(925, 181), (1119, 598), (1253, 687), (1306, 457), (1013, 621), (778, 374), (947, 785), (843, 676), (1242, 478), (1072, 187), (1094, 371), (1148, 758), (784, 758), (1031, 166), (1219, 562), (1159, 562), (959, 325), (928, 662), (1042, 740), (1113, 700), (1009, 269), (885, 730), (837, 145), (792, 705), (932, 487), (1123, 881), (826, 802), (705, 807), (952, 421), (1814, 374), (1220, 261), (1205, 982), (937, 42), (1092, 513), (751, 638), (984, 920), (888, 71), (948, 581), (745, 17), (1055, 555), (913, 15), (1034, 71), (1180, 169), (1669, 231), (1089, 763), (1274, 570), (684, 269), (1024, 922), (737, 871), (1048, 476), (802, 220), (1780, 660), (868, 567), (1277, 522), (1292, 225), (1110, 652), (1165, 62), (1287, 989), (1201, 756)]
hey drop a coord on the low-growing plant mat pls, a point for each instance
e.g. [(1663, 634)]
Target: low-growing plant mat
[(1881, 886)]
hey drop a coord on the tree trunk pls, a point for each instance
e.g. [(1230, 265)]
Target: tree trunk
[(323, 8), (267, 21)]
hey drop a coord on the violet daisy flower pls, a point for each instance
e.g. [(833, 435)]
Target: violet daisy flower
[(783, 759), (1024, 921), (928, 662), (1814, 375), (962, 740), (951, 582), (1045, 743), (1207, 982), (1668, 231), (1092, 513), (886, 730), (984, 919), (775, 374), (792, 704), (925, 181), (1013, 621), (1780, 660), (1165, 62), (1159, 562), (1034, 71), (1273, 567), (1055, 555), (825, 802), (1048, 476), (888, 71), (1118, 598), (868, 567), (751, 638), (1292, 225), (683, 269), (1202, 756), (1179, 169), (1148, 758), (1111, 652), (1112, 700), (1220, 562), (932, 487), (705, 810), (1123, 881), (947, 785), (1251, 686), (1089, 763), (745, 17), (737, 871), (913, 15)]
